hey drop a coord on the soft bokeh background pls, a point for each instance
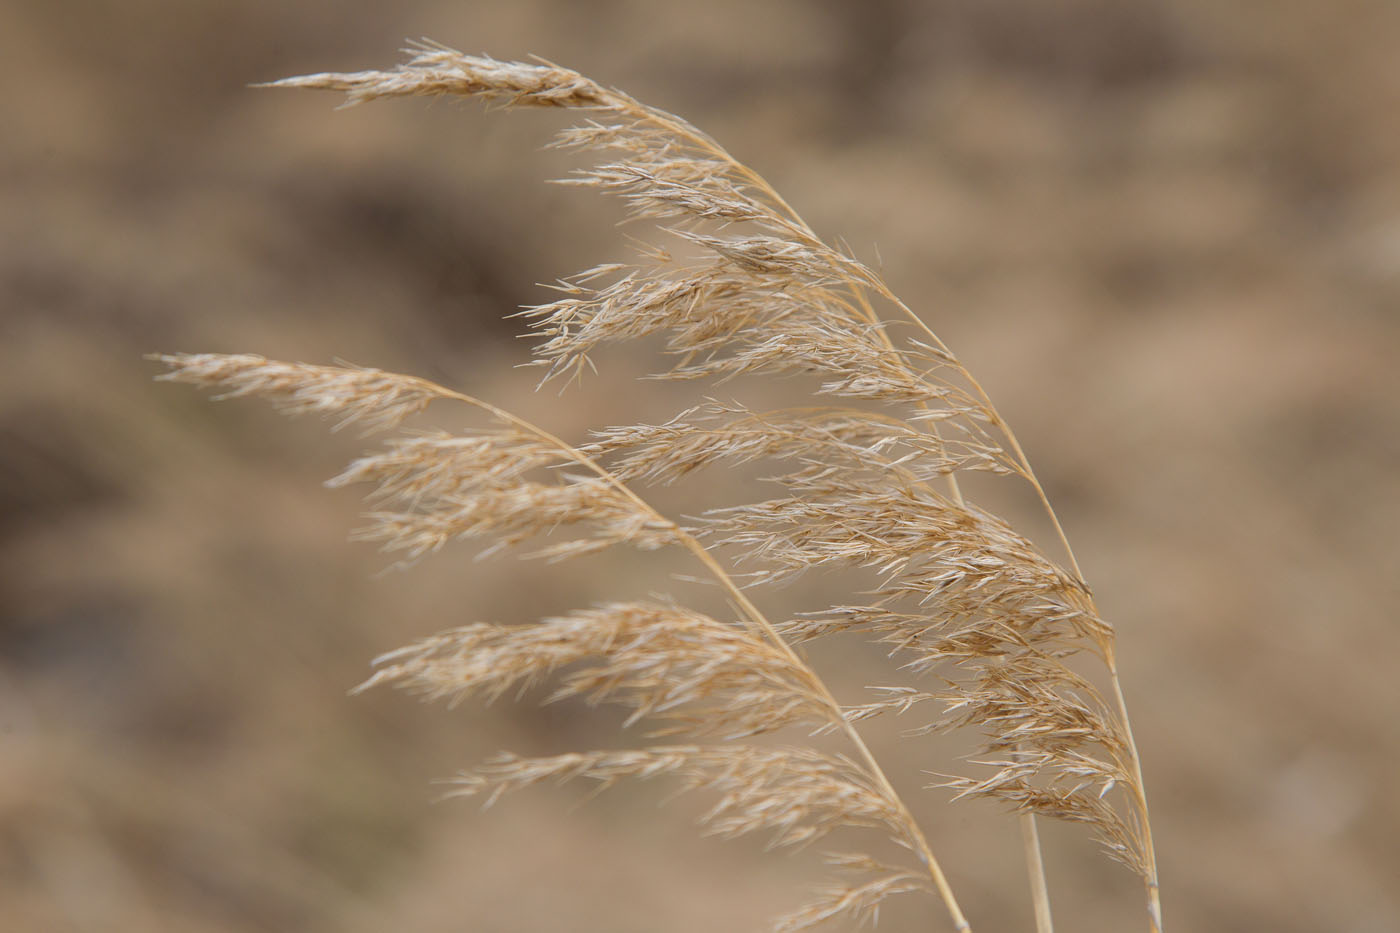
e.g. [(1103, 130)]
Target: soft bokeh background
[(1166, 235)]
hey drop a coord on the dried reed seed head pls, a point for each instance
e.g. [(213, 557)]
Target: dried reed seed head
[(675, 188), (961, 595), (769, 255), (697, 674), (376, 399), (512, 512), (797, 794), (437, 71), (859, 902), (884, 450), (432, 466)]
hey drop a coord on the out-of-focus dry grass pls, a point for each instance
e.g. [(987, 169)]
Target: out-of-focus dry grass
[(1165, 235)]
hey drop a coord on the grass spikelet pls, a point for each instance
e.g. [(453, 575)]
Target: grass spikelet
[(990, 633)]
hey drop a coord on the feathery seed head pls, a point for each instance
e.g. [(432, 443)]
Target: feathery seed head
[(983, 624)]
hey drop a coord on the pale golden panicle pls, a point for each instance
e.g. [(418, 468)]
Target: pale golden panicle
[(702, 308), (729, 318), (376, 399), (450, 488), (686, 672), (1053, 746), (671, 170), (891, 449), (857, 896), (512, 512), (697, 675), (428, 466), (986, 611), (871, 481), (441, 71), (797, 794), (674, 188), (924, 546)]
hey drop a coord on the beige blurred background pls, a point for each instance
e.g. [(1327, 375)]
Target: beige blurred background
[(1166, 235)]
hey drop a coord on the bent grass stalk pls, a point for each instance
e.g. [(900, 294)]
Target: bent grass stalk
[(966, 602)]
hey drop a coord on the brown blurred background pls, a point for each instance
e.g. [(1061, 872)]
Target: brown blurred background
[(1166, 235)]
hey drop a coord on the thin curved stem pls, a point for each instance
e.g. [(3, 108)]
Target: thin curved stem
[(1035, 867)]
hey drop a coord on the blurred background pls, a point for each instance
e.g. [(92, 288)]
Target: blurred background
[(1165, 235)]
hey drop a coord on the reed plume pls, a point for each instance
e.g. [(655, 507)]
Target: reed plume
[(984, 623)]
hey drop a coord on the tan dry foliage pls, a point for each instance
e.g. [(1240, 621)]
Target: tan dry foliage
[(982, 620)]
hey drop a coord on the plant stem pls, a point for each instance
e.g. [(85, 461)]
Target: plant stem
[(1035, 868)]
